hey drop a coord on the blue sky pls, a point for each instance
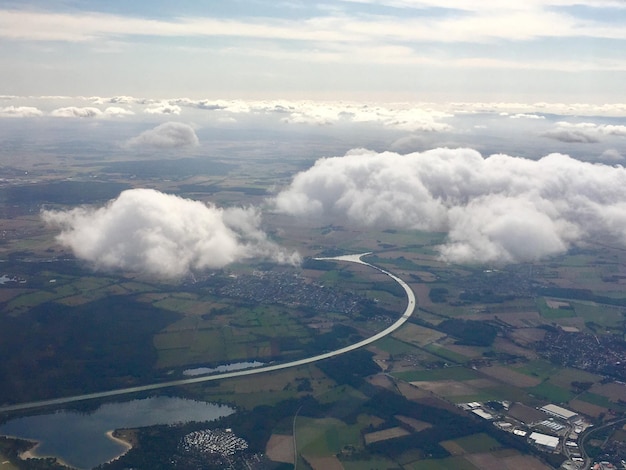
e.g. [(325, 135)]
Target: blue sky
[(444, 50)]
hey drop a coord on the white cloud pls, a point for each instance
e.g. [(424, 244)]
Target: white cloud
[(495, 210), (116, 111), (76, 112), (583, 132), (526, 116), (612, 155), (163, 108), (20, 111), (163, 235), (166, 135)]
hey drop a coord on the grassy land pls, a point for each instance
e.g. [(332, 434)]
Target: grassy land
[(478, 443), (552, 392)]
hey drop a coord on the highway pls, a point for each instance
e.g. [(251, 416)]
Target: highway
[(241, 373)]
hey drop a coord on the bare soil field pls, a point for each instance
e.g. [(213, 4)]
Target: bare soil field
[(526, 336), (482, 383), (526, 414), (323, 463), (381, 380), (415, 424), (411, 392), (421, 292), (507, 346), (446, 388), (585, 408), (385, 435), (508, 376), (418, 335), (613, 391), (452, 447), (280, 448), (506, 460)]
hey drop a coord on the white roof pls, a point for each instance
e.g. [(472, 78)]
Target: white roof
[(545, 440), (483, 414), (557, 410)]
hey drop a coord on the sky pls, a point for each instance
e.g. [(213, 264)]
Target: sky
[(568, 51), (501, 123)]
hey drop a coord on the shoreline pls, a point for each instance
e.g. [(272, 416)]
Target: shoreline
[(127, 445)]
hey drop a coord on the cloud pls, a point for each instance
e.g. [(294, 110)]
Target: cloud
[(116, 111), (498, 209), (166, 135), (163, 108), (163, 235), (76, 112), (526, 116), (571, 136), (583, 132), (20, 111), (612, 155)]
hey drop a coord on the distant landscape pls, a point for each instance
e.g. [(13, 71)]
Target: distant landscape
[(486, 348)]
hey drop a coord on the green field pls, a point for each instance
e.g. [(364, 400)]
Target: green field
[(326, 436), (552, 392), (477, 443)]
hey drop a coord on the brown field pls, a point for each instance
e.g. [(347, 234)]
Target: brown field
[(526, 414), (280, 448), (411, 392), (507, 346), (385, 435), (413, 423), (323, 463), (381, 380), (470, 352), (446, 388), (452, 447), (585, 408), (612, 391), (426, 276), (421, 292), (418, 335), (481, 383), (508, 376), (525, 336), (506, 460), (565, 377), (7, 293)]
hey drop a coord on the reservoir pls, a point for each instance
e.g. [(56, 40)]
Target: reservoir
[(80, 439), (222, 368)]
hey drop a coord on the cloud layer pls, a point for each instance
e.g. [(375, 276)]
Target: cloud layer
[(166, 135), (163, 235), (498, 209)]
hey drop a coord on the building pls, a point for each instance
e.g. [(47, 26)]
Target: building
[(558, 412), (544, 441)]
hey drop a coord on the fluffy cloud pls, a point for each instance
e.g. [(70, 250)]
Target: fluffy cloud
[(166, 135), (495, 210), (163, 108), (583, 132), (20, 111), (116, 111), (163, 235), (76, 112)]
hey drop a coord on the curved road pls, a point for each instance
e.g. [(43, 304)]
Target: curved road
[(259, 370)]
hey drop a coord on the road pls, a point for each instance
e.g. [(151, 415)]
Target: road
[(241, 373)]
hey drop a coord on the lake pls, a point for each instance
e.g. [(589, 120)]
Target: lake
[(223, 368), (80, 439)]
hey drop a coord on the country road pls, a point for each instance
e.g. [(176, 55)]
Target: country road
[(259, 370)]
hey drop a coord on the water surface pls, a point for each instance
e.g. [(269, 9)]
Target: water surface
[(79, 439)]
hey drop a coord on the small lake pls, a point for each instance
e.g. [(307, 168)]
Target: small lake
[(223, 368), (80, 439)]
